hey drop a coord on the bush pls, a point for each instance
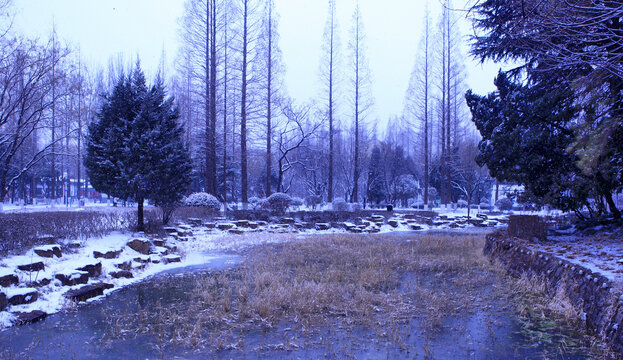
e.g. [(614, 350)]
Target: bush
[(297, 201), (484, 205), (339, 204), (203, 200), (255, 202), (277, 202), (356, 207), (527, 227), (504, 204), (462, 203)]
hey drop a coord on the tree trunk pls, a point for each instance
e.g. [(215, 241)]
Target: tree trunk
[(613, 208), (141, 224), (269, 102), (243, 111)]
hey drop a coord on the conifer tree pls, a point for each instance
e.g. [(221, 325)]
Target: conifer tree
[(135, 149)]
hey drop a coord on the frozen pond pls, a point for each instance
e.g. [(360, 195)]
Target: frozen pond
[(493, 331)]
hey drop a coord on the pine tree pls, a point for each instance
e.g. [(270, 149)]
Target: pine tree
[(135, 148), (376, 191)]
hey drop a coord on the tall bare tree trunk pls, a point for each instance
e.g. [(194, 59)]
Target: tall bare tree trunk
[(269, 100), (243, 108)]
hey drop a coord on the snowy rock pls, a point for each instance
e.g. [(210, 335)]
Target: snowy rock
[(20, 296), (38, 266), (172, 259), (158, 242), (323, 226), (140, 246), (393, 223), (125, 265), (24, 318), (415, 227), (74, 278), (253, 225), (195, 221), (86, 292), (39, 283), (242, 223), (121, 274), (94, 270), (48, 251), (170, 230), (107, 255), (210, 225), (236, 231), (224, 226), (287, 221), (142, 259), (7, 280)]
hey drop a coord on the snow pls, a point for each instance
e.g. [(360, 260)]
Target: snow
[(15, 291), (202, 246), (47, 247)]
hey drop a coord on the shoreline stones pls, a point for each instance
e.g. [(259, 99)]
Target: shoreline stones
[(107, 255), (22, 296), (94, 270), (86, 292), (140, 245), (29, 317), (37, 266), (4, 302), (8, 280), (75, 278), (49, 251)]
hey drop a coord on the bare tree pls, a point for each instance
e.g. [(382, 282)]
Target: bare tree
[(296, 130), (26, 96), (328, 71), (361, 99), (468, 177)]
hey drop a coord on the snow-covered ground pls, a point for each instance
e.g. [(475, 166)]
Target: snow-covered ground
[(186, 245)]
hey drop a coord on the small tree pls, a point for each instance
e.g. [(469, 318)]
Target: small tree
[(278, 202), (134, 147)]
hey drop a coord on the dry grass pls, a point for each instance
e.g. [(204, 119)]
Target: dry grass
[(379, 282)]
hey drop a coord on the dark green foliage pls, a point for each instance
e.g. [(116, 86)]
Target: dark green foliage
[(134, 147), (376, 191)]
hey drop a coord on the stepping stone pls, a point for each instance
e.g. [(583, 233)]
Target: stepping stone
[(393, 223), (40, 283), (94, 270), (253, 225), (242, 223), (75, 278), (236, 231), (141, 246), (210, 225), (48, 251), (172, 259), (7, 280), (287, 221), (4, 302), (323, 226), (107, 255), (158, 242), (262, 223), (170, 230), (127, 266), (24, 318), (87, 292), (121, 274), (195, 222), (142, 259), (162, 250), (224, 226), (38, 266), (415, 227), (22, 296)]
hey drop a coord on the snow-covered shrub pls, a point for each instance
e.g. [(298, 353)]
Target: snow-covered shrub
[(277, 202), (255, 202), (504, 204), (339, 204), (313, 201), (484, 205), (355, 207), (462, 203), (203, 199), (297, 201)]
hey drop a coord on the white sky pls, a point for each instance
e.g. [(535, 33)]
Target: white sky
[(105, 28)]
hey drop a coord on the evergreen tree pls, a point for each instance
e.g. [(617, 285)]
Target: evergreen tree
[(376, 186), (135, 149)]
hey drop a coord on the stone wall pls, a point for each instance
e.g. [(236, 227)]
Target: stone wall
[(592, 294)]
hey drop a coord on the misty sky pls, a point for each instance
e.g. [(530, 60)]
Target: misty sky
[(105, 28)]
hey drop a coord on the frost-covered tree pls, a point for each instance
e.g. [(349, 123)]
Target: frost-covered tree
[(134, 147), (376, 192)]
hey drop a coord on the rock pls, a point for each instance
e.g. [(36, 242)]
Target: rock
[(253, 225), (158, 242), (38, 266), (162, 250), (155, 261), (172, 259), (94, 270), (141, 246), (224, 226), (125, 266), (262, 223), (195, 222), (415, 227), (454, 225), (24, 318), (393, 223), (170, 230), (323, 226), (236, 231), (22, 296), (107, 255), (75, 278), (8, 280), (121, 274), (46, 239), (287, 220), (87, 292), (142, 259), (40, 283), (48, 251), (242, 223), (4, 302), (210, 225)]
